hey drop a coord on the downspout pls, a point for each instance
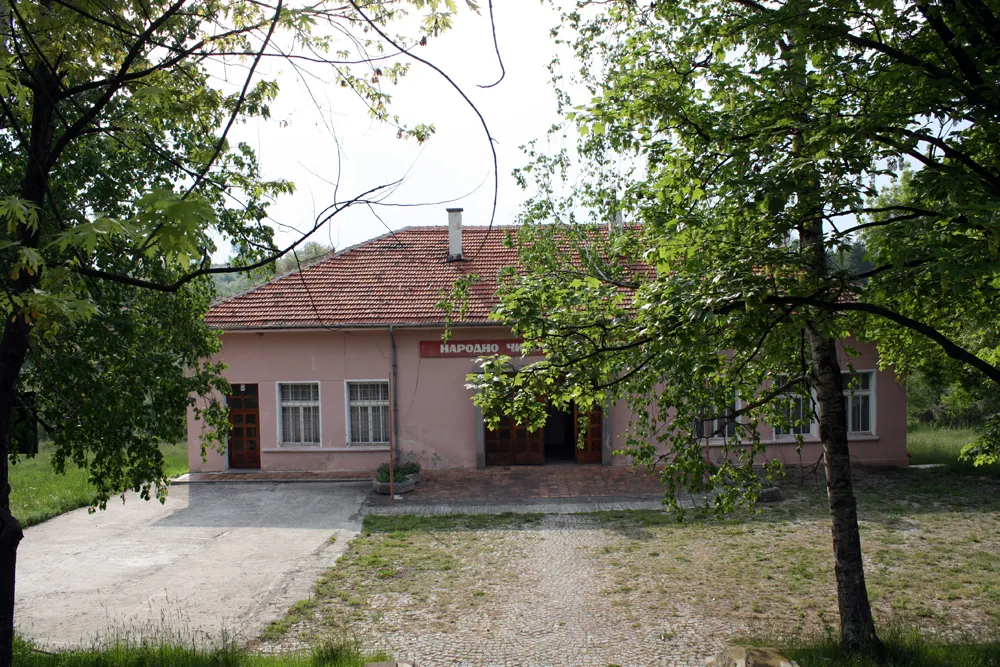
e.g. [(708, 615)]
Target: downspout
[(393, 394)]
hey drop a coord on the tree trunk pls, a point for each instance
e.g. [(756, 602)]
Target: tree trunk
[(13, 348), (857, 627), (15, 340)]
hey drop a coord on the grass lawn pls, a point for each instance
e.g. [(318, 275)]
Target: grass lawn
[(38, 493), (903, 649), (448, 562), (931, 542), (942, 445)]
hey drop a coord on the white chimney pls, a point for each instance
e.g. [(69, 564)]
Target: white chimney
[(455, 234)]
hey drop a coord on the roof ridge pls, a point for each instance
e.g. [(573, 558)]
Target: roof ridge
[(494, 225)]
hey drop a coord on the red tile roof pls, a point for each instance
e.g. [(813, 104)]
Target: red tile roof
[(393, 279)]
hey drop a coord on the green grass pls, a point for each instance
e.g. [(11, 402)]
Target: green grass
[(332, 653), (930, 539), (38, 493), (942, 445), (904, 648)]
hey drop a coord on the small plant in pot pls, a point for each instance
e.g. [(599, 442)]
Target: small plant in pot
[(405, 477), (411, 469)]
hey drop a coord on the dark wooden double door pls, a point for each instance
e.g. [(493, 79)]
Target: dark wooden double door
[(513, 444), (244, 426)]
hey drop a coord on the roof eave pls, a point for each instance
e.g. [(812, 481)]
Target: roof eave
[(359, 325)]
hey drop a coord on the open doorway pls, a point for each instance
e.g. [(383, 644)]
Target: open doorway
[(560, 441), (557, 442)]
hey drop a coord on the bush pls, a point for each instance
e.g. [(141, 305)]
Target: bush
[(409, 469), (401, 473)]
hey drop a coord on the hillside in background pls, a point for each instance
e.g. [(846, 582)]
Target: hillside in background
[(228, 284)]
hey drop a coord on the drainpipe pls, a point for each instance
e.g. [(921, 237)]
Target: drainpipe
[(393, 395)]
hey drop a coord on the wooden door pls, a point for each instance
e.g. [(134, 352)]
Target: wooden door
[(244, 426), (499, 444), (593, 440), (529, 448), (513, 444)]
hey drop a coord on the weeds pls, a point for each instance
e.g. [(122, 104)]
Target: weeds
[(333, 652), (928, 445)]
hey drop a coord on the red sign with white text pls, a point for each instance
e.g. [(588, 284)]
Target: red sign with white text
[(469, 348)]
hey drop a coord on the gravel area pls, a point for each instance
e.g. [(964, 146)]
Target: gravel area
[(547, 601), (634, 587)]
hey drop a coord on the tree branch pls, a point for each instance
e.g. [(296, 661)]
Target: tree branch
[(73, 131), (496, 176), (951, 348), (496, 47), (180, 282)]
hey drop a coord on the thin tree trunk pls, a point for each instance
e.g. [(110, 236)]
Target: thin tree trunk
[(857, 627)]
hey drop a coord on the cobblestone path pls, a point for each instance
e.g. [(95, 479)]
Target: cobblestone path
[(560, 611)]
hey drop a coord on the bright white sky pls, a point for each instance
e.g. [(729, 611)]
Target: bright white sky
[(455, 165)]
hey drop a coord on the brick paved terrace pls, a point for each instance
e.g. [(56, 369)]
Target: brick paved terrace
[(532, 482), (500, 483)]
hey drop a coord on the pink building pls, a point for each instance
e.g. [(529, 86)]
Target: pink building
[(328, 364)]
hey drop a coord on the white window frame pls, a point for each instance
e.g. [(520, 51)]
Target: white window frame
[(713, 439), (278, 413), (347, 412), (872, 401), (811, 433)]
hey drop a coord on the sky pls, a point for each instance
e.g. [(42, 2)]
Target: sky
[(452, 169)]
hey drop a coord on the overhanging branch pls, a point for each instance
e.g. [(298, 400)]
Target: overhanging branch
[(950, 347)]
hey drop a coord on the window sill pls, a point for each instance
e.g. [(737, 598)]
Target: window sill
[(808, 440), (318, 449), (813, 439)]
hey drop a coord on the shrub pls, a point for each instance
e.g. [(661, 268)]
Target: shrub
[(401, 473), (409, 469)]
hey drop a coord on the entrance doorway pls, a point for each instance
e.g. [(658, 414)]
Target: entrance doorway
[(556, 442), (244, 427)]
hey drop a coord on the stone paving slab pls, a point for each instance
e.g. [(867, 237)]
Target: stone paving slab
[(243, 476), (381, 505)]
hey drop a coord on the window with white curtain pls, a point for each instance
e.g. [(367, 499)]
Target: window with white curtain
[(798, 412), (368, 412), (299, 410), (721, 427), (859, 401)]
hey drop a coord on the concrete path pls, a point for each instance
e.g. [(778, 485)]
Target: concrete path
[(216, 558)]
